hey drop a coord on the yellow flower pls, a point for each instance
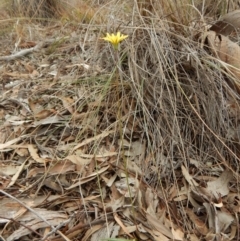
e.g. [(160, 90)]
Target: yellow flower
[(115, 39)]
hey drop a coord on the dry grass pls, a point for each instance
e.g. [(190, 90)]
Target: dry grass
[(168, 99)]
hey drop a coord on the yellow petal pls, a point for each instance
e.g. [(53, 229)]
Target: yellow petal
[(118, 34), (115, 39)]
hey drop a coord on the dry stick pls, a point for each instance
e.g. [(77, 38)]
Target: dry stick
[(57, 228), (1, 238), (27, 51), (21, 224), (33, 211), (21, 53)]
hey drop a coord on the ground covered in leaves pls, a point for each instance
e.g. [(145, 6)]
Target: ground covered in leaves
[(140, 143)]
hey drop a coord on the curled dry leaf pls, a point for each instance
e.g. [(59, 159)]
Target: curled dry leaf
[(220, 185), (199, 224), (227, 51), (228, 24), (33, 152)]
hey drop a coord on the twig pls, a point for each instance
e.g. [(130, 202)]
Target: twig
[(21, 224), (57, 228), (21, 53), (1, 238), (30, 50), (33, 211)]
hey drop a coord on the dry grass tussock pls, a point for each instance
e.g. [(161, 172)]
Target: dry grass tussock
[(140, 143)]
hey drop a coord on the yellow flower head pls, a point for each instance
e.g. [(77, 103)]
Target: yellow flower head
[(115, 39)]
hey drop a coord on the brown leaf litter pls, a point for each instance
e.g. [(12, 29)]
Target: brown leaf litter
[(80, 160)]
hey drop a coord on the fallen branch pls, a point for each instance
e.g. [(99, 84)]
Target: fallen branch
[(21, 53)]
